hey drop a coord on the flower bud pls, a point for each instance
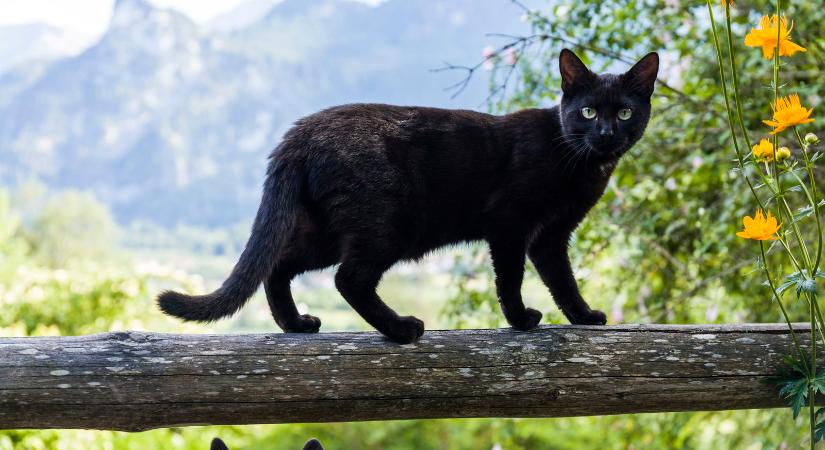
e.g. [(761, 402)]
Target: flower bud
[(811, 139), (783, 153)]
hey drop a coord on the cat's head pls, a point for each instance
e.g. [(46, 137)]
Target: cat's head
[(605, 114), (311, 444)]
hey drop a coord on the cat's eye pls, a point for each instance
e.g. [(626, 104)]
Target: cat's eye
[(588, 112), (625, 114)]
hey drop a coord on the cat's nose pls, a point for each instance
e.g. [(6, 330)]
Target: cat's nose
[(606, 131)]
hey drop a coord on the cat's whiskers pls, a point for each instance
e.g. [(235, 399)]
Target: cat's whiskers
[(574, 162), (572, 151), (572, 157), (564, 137)]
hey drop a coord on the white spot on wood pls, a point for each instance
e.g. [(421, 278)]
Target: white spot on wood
[(704, 336), (581, 360), (93, 383), (218, 352), (74, 350), (29, 351), (64, 386), (59, 373), (115, 369), (158, 360)]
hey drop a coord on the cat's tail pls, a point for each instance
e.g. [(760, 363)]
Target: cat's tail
[(272, 226)]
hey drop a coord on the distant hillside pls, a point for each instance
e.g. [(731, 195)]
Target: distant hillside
[(170, 122)]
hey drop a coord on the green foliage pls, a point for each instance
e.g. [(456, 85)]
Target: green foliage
[(661, 245)]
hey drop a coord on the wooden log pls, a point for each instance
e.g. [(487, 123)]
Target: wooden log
[(136, 381)]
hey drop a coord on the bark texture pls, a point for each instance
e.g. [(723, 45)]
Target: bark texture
[(136, 381)]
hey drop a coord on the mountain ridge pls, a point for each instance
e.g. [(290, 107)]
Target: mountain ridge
[(171, 122)]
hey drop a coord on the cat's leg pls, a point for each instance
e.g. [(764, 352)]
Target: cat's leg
[(282, 306), (357, 278), (548, 251), (508, 264)]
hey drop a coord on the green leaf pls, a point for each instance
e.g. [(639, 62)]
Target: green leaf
[(806, 211), (807, 286), (801, 281), (818, 384), (819, 430)]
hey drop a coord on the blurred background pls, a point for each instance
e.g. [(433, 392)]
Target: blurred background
[(133, 144)]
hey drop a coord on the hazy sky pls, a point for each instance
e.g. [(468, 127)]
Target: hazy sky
[(91, 16)]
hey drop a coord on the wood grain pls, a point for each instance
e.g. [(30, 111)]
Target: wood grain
[(136, 381)]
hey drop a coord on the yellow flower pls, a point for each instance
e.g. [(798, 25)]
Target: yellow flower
[(788, 112), (763, 151), (726, 2), (759, 228), (765, 37)]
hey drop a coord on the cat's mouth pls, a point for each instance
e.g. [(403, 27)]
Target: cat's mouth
[(612, 148)]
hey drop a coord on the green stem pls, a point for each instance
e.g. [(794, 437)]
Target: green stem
[(813, 198), (820, 319), (782, 307), (797, 232), (735, 78), (776, 78), (811, 391), (722, 77)]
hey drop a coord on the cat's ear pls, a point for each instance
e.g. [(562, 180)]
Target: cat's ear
[(642, 76), (218, 444), (573, 71)]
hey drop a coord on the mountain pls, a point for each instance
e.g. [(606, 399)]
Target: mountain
[(37, 42), (241, 16), (170, 122)]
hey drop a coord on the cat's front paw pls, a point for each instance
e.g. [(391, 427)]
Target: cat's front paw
[(405, 330), (303, 324), (589, 317), (525, 321)]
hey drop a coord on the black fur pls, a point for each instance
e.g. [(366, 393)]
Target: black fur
[(218, 444), (369, 185), (311, 444)]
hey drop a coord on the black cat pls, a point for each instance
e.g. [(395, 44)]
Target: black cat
[(311, 444), (369, 185)]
